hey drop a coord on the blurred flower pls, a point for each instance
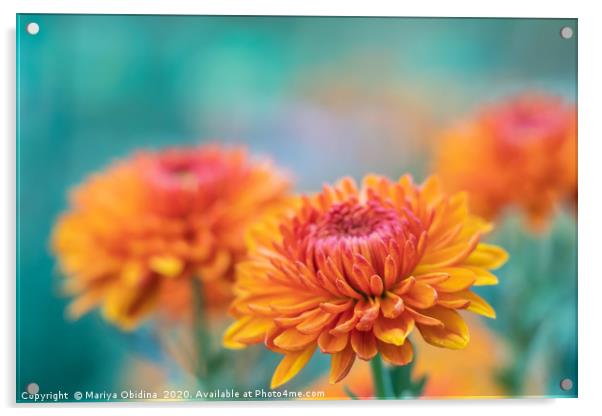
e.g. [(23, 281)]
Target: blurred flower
[(471, 372), (137, 233), (521, 153), (354, 271)]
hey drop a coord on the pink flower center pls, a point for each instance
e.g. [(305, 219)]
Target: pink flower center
[(355, 220)]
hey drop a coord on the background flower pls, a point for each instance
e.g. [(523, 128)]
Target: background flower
[(137, 233), (519, 153), (353, 272)]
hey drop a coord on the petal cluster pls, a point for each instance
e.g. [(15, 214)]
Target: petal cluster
[(519, 153), (136, 233), (353, 272)]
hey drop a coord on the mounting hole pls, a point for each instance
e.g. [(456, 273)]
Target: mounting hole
[(33, 388), (566, 384), (566, 32), (33, 28)]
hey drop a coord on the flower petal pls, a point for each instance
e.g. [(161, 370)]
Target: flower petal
[(393, 331), (293, 340), (396, 354), (331, 344), (421, 296), (315, 322), (391, 305), (364, 344), (247, 330), (477, 304), (487, 256), (459, 279), (340, 364), (453, 334), (290, 365), (452, 300), (484, 277), (367, 312)]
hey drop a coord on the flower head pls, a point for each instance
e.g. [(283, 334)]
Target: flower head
[(520, 153), (354, 272), (136, 233)]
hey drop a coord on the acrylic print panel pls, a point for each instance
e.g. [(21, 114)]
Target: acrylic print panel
[(286, 208)]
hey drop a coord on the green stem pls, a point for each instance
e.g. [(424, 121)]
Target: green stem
[(379, 380), (200, 330)]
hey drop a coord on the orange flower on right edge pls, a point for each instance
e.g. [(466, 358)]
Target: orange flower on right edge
[(519, 153)]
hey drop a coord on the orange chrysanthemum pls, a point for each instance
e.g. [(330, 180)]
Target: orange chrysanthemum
[(136, 234), (520, 153), (353, 272)]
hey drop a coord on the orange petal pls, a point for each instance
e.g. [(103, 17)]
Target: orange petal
[(293, 340), (460, 278), (396, 354), (452, 301), (453, 334), (421, 296), (336, 307), (391, 305), (340, 364), (451, 255), (477, 304), (218, 266), (315, 322), (367, 311), (245, 331), (331, 344), (364, 344), (484, 277), (405, 285), (432, 278), (393, 331), (423, 319), (168, 266), (390, 272), (487, 256), (290, 365), (376, 285), (346, 323)]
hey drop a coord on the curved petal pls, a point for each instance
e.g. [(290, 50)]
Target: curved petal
[(460, 278), (477, 304), (293, 340), (245, 331), (340, 364), (391, 305), (484, 276), (453, 334), (331, 344), (487, 256), (421, 296), (396, 354), (364, 344), (290, 365), (393, 331)]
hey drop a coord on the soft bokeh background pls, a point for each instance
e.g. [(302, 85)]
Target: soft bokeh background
[(324, 97)]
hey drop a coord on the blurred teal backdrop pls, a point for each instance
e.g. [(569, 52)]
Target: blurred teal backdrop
[(324, 97)]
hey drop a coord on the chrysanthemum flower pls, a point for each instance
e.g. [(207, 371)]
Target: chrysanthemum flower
[(520, 153), (355, 272), (137, 233)]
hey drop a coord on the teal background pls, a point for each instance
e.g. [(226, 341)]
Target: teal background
[(94, 88)]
